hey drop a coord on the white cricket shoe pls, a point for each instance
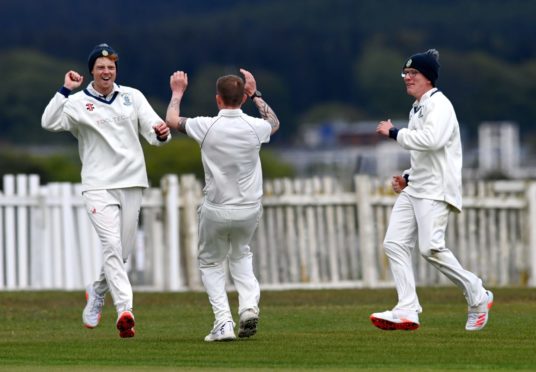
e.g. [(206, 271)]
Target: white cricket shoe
[(477, 316), (125, 324), (222, 332), (93, 310), (248, 323), (396, 319)]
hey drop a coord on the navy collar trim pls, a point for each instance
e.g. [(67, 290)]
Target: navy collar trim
[(86, 91)]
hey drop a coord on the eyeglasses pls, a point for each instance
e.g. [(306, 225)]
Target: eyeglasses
[(409, 73)]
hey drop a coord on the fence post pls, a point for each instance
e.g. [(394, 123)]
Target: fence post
[(152, 215), (46, 255), (2, 245), (170, 189), (312, 241), (531, 199), (36, 234), (333, 252), (11, 248), (22, 233), (365, 228), (189, 199), (71, 269)]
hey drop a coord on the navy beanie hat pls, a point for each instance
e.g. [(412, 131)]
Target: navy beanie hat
[(101, 50), (426, 63)]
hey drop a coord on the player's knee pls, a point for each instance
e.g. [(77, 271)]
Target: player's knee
[(240, 255), (390, 247), (209, 260), (204, 264), (428, 252)]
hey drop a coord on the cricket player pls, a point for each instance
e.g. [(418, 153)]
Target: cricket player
[(107, 119), (429, 190), (230, 144)]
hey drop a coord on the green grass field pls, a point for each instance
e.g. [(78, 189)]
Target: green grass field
[(325, 329)]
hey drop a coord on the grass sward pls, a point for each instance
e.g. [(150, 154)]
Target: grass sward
[(322, 329)]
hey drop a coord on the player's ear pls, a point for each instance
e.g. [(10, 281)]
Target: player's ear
[(219, 101), (244, 99)]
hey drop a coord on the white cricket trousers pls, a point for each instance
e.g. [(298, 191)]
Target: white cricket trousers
[(225, 232), (424, 221), (114, 214)]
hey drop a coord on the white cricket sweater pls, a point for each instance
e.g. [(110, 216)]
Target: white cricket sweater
[(108, 134), (433, 138)]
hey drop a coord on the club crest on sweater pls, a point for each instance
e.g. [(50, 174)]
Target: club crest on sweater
[(127, 100)]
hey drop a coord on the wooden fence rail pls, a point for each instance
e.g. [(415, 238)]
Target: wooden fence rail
[(313, 234)]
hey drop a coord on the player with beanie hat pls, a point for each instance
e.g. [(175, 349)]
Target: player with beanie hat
[(101, 50), (426, 63), (429, 190), (108, 120)]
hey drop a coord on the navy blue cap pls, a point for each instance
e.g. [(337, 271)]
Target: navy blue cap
[(101, 50), (426, 63)]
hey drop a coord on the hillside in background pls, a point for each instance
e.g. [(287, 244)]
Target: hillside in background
[(314, 60)]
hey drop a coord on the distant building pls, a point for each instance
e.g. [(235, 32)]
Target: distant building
[(498, 149), (343, 149), (339, 133)]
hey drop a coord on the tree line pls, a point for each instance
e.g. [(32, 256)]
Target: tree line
[(314, 60)]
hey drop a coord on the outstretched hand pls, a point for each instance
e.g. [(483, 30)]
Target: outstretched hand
[(250, 85), (178, 82), (73, 80)]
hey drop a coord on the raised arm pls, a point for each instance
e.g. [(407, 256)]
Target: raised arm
[(266, 112), (53, 118), (178, 83)]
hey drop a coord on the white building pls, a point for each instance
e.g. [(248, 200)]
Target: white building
[(344, 149), (498, 148)]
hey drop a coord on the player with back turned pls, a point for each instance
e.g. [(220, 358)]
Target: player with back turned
[(107, 119), (429, 190), (230, 144)]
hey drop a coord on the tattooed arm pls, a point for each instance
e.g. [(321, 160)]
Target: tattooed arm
[(267, 113), (178, 83), (250, 87)]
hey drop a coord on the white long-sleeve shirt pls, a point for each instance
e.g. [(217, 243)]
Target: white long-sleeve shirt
[(433, 138), (230, 145), (107, 130)]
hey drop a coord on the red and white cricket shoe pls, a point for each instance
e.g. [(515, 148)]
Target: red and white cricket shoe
[(93, 310), (477, 316), (396, 319), (125, 324)]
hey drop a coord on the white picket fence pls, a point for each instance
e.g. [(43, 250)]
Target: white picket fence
[(313, 235)]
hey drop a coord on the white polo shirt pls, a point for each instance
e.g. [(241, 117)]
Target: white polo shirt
[(108, 132), (230, 145)]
